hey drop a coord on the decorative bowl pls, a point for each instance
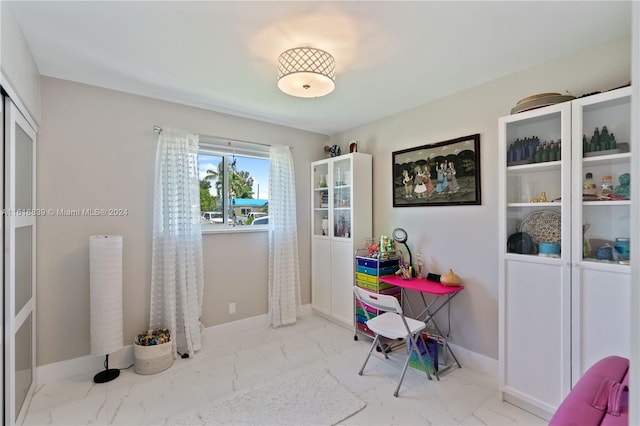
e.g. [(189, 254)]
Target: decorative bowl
[(549, 249), (543, 225)]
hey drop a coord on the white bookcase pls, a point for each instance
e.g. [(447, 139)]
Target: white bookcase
[(601, 291), (341, 220), (560, 312)]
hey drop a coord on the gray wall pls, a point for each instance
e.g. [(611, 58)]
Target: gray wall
[(97, 150), (465, 238)]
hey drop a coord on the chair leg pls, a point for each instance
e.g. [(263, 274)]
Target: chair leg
[(384, 350), (412, 347), (376, 341), (404, 370)]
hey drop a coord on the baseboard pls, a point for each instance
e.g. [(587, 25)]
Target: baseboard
[(124, 357), (84, 364), (476, 361), (523, 404)]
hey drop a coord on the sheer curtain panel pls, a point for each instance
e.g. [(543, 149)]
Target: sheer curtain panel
[(177, 271), (284, 274)]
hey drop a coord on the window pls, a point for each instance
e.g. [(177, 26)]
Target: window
[(234, 183)]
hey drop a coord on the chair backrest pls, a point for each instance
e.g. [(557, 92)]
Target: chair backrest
[(383, 302)]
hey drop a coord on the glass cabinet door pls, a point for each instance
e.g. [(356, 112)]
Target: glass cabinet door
[(342, 198), (537, 184), (320, 182), (603, 124), (332, 199)]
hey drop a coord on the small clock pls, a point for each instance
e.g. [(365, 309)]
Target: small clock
[(335, 151)]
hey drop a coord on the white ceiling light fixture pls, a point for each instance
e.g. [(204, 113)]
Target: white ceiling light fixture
[(306, 72)]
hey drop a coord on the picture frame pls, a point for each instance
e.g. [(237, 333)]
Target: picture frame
[(439, 174)]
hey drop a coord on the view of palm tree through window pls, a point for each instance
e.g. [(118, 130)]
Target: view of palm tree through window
[(242, 198)]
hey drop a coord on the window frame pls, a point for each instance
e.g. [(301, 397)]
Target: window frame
[(226, 148)]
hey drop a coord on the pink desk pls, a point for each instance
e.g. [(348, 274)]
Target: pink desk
[(443, 296)]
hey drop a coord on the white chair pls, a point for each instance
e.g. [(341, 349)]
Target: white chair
[(391, 324)]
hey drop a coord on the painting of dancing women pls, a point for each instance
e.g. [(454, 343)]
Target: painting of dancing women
[(439, 174)]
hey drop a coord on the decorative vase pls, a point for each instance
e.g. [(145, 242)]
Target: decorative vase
[(325, 226), (450, 279)]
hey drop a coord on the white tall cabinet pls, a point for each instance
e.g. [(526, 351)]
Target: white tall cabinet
[(341, 220), (561, 312), (601, 292)]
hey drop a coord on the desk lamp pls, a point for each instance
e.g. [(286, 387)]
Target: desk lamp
[(400, 235)]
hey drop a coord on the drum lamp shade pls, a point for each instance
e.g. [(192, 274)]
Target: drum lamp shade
[(106, 323)]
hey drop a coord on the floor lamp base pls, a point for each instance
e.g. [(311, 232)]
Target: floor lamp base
[(106, 375)]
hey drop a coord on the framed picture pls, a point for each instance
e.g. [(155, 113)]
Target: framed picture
[(440, 174)]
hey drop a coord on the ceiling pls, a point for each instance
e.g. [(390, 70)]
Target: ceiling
[(390, 56)]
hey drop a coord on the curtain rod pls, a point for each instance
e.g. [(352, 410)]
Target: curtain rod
[(158, 130)]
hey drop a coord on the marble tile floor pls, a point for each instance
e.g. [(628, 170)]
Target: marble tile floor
[(461, 397)]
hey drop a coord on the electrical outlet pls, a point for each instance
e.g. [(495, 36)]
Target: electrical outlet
[(232, 307)]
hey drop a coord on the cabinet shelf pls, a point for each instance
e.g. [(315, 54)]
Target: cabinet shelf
[(622, 158), (534, 205), (534, 167), (607, 203), (533, 258), (604, 265)]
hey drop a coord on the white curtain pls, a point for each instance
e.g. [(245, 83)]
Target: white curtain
[(177, 271), (284, 274)]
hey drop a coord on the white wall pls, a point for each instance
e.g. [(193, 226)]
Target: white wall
[(17, 65), (97, 150), (465, 238)]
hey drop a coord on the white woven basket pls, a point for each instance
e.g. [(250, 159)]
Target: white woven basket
[(152, 359)]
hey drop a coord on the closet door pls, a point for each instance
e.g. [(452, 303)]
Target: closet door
[(2, 262), (19, 262)]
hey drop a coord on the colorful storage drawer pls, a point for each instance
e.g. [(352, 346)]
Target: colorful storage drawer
[(362, 317), (367, 278), (364, 329), (361, 306), (373, 271), (375, 286), (375, 263)]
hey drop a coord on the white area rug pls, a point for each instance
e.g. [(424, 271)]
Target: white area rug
[(308, 398)]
